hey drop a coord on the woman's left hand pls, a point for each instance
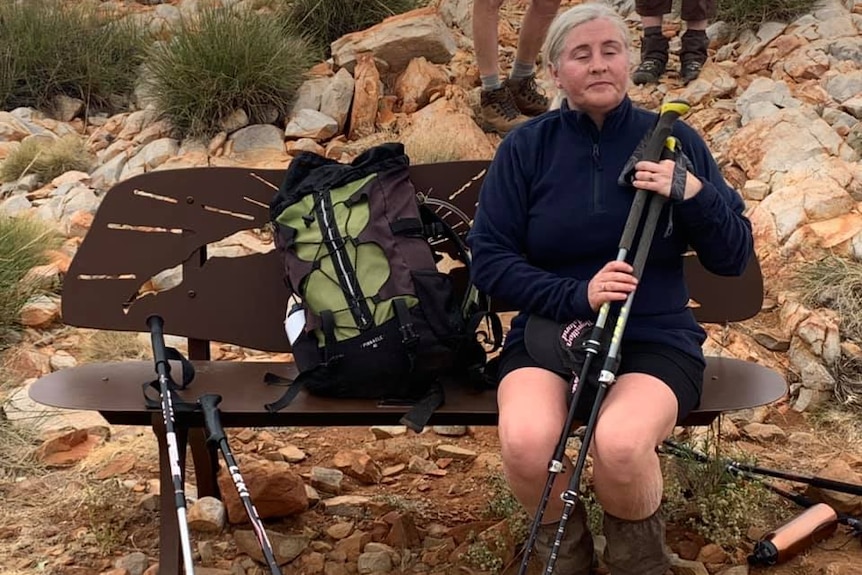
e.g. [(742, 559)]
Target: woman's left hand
[(658, 178)]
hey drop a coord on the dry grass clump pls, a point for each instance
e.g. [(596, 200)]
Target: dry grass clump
[(752, 13), (23, 245), (104, 346), (835, 283), (47, 158)]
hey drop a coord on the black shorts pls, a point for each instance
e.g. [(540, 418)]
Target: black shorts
[(682, 373), (692, 10)]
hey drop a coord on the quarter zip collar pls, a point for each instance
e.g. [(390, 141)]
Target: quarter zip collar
[(614, 120)]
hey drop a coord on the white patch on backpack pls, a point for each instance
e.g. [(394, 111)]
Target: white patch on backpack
[(372, 342)]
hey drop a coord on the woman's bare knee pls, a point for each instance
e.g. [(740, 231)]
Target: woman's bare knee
[(532, 411)]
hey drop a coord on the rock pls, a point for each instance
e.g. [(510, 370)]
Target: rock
[(40, 312), (65, 449), (207, 515), (277, 491), (455, 452), (397, 40), (419, 84), (348, 506), (772, 341), (311, 124), (328, 480), (340, 530), (366, 95), (337, 97), (286, 548), (358, 465), (763, 432), (838, 469), (388, 431), (134, 563), (450, 430)]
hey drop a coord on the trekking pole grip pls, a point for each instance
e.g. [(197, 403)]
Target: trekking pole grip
[(209, 404), (669, 113), (157, 337)]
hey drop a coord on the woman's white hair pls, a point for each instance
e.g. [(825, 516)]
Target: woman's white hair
[(573, 17)]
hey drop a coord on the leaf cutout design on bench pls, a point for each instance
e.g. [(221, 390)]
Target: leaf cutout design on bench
[(163, 281), (152, 196), (148, 229)]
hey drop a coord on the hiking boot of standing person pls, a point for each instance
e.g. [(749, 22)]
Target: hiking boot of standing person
[(529, 100), (654, 54), (499, 110), (692, 55), (636, 547), (575, 556)]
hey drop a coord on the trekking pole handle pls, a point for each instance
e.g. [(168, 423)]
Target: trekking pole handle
[(669, 113), (209, 404), (157, 337)]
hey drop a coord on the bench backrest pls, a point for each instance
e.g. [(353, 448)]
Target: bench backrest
[(157, 221)]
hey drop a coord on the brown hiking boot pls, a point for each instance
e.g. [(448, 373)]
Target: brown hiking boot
[(499, 110), (636, 547), (528, 98), (575, 556)]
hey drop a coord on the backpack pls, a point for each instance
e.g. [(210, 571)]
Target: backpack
[(371, 316)]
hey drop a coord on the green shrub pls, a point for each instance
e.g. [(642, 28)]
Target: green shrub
[(718, 504), (323, 22), (745, 13), (49, 49), (47, 158), (222, 61), (23, 243)]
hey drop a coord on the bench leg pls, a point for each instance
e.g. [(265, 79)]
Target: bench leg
[(205, 462), (170, 561)]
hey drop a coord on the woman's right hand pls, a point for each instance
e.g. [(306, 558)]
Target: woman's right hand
[(614, 282)]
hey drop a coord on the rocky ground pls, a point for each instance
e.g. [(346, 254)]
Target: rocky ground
[(781, 108)]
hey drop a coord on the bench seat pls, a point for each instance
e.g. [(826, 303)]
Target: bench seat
[(114, 390)]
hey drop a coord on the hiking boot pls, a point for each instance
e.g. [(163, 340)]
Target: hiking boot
[(692, 55), (636, 547), (648, 72), (575, 556), (689, 71), (654, 55), (499, 110), (529, 100)]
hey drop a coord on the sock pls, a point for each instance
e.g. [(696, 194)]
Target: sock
[(521, 70), (491, 82)]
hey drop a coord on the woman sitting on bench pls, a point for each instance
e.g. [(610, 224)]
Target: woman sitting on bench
[(547, 230)]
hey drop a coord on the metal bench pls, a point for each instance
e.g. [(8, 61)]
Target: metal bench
[(163, 219)]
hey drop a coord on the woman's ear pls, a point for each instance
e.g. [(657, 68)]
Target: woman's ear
[(552, 70)]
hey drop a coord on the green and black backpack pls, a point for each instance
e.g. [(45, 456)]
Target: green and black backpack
[(371, 315)]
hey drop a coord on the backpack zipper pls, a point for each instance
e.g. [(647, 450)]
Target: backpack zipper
[(335, 244)]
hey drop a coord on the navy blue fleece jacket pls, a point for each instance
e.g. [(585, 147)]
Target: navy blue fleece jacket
[(551, 214)]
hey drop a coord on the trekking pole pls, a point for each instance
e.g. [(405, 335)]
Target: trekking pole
[(821, 482), (653, 151), (156, 325), (216, 435)]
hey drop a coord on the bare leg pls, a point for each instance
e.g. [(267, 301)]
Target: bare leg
[(638, 413), (534, 28), (486, 18), (532, 405)]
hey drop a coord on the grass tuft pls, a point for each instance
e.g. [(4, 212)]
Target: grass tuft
[(49, 48), (752, 13), (46, 158), (835, 283), (222, 61), (23, 245)]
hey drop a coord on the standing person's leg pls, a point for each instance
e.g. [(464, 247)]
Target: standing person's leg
[(532, 410), (499, 110), (695, 43), (522, 80), (654, 45)]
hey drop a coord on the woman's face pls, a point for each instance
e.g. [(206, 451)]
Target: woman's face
[(593, 67)]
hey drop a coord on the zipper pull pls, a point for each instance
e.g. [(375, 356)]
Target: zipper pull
[(596, 158)]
